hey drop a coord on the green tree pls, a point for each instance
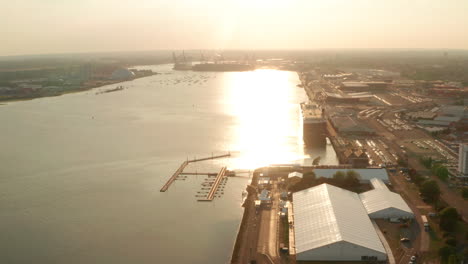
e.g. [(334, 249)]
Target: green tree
[(427, 162), (465, 193), (448, 219), (310, 175), (308, 178), (451, 242), (402, 162), (445, 252), (452, 259), (352, 179), (430, 190), (417, 178), (442, 172), (339, 178)]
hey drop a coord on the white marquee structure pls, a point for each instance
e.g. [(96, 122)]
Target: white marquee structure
[(382, 203), (331, 224)]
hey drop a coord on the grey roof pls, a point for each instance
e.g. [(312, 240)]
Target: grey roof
[(355, 84), (448, 118), (455, 110), (326, 214), (349, 96), (434, 123), (349, 124), (365, 174), (264, 195)]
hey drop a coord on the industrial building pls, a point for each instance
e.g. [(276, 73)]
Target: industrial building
[(357, 158), (364, 86), (122, 74), (263, 182), (463, 160), (294, 177), (365, 175), (350, 126), (381, 203), (331, 224), (347, 98), (443, 121)]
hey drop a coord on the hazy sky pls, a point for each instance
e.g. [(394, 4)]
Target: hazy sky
[(59, 26)]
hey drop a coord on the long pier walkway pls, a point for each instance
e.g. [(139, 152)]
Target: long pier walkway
[(182, 167), (174, 176), (215, 185), (212, 157)]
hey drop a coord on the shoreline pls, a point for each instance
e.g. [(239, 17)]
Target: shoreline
[(79, 90), (240, 231)]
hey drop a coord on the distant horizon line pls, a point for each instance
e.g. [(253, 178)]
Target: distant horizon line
[(224, 50)]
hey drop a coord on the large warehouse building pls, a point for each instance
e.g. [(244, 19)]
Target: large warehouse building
[(331, 224), (381, 203)]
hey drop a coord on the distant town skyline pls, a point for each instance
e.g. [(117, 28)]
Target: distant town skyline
[(45, 27)]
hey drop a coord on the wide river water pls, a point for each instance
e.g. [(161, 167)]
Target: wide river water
[(80, 173)]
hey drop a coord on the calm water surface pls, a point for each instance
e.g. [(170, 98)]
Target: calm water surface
[(80, 174)]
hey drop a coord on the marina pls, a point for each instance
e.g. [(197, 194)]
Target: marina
[(215, 185), (182, 167)]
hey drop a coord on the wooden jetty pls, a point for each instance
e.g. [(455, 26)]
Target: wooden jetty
[(174, 176), (214, 187), (182, 167), (198, 173), (212, 157)]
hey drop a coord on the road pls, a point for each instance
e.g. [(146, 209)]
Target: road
[(415, 203), (451, 197), (248, 236), (268, 233)]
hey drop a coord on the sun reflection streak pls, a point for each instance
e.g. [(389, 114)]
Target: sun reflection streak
[(265, 105)]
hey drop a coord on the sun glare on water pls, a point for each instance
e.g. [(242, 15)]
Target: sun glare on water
[(268, 129)]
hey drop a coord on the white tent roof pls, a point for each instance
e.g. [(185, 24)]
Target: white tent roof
[(382, 198), (378, 184), (295, 174), (326, 214)]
